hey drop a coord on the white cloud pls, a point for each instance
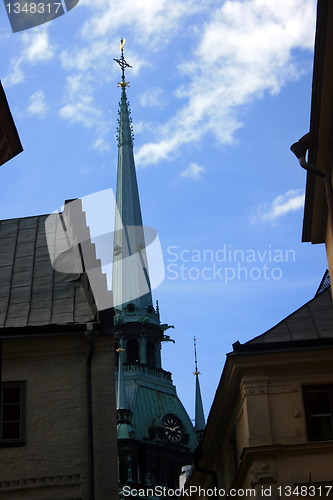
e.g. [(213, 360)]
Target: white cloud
[(92, 67), (154, 21), (98, 56), (283, 204), (79, 104), (86, 170), (152, 98), (242, 51), (37, 104), (193, 171), (80, 107), (36, 47), (142, 126), (246, 50), (15, 74), (84, 58)]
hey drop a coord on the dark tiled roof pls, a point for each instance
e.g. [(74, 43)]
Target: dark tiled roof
[(32, 293), (311, 324)]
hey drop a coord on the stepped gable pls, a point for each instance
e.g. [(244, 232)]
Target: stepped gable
[(32, 292)]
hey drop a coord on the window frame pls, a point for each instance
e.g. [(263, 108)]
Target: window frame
[(21, 440), (307, 389)]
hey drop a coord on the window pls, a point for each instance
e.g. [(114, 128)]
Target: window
[(12, 413), (132, 348), (318, 402), (151, 354)]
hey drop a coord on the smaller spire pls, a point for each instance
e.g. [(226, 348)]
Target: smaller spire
[(199, 424), (195, 357), (157, 311)]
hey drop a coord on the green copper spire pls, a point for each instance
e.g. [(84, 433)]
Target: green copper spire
[(130, 282), (199, 424), (152, 423)]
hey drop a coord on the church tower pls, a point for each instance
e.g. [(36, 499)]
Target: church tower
[(155, 434)]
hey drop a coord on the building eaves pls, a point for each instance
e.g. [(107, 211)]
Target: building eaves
[(321, 126), (10, 144)]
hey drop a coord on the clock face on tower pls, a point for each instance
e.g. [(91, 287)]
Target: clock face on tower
[(173, 429)]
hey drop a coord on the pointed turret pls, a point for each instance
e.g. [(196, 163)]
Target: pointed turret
[(199, 412), (130, 282)]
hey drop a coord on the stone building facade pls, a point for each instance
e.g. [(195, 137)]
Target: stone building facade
[(58, 423)]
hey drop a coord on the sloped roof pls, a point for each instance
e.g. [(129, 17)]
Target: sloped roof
[(32, 293), (150, 396), (310, 324)]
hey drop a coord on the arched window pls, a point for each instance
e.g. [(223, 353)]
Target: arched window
[(132, 349), (151, 354)]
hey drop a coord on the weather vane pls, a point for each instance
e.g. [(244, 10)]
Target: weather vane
[(123, 64)]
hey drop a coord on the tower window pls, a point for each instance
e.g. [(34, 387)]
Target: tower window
[(130, 308), (151, 354), (318, 402), (12, 413), (132, 348)]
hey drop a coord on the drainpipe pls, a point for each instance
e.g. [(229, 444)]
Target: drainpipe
[(90, 336), (196, 458), (211, 473), (299, 149), (0, 376)]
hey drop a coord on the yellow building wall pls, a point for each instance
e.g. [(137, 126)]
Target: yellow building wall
[(272, 443)]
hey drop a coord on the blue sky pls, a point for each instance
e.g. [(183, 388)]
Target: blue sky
[(219, 90)]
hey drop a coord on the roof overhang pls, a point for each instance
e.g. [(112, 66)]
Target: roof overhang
[(321, 126), (10, 144)]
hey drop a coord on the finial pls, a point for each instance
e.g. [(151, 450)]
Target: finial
[(195, 357), (123, 64)]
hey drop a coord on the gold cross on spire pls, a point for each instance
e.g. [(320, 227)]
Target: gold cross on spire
[(123, 64)]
